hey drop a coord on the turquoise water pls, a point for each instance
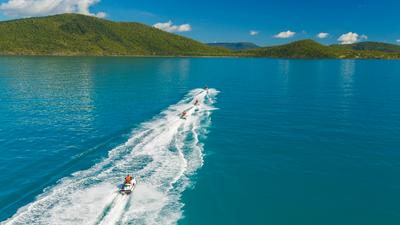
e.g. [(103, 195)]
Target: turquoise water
[(274, 142)]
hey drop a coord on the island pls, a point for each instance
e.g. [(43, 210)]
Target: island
[(81, 35)]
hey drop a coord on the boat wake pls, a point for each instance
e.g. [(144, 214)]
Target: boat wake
[(162, 153)]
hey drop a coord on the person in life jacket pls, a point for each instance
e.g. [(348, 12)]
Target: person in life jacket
[(206, 89), (128, 179), (196, 102)]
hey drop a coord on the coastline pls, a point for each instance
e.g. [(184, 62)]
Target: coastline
[(194, 56)]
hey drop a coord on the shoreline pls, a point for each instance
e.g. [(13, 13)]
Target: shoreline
[(190, 56)]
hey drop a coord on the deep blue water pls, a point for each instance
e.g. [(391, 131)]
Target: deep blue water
[(292, 142)]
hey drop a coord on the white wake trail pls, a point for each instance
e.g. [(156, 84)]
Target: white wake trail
[(163, 153)]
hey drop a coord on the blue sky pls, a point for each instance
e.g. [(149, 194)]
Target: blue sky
[(230, 21)]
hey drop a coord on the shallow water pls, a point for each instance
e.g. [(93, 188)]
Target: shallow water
[(291, 141)]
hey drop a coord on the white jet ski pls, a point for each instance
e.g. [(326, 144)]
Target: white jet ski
[(183, 115), (196, 105), (127, 188)]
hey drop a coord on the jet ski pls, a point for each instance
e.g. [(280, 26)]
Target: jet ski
[(206, 89), (196, 105), (183, 115), (127, 188)]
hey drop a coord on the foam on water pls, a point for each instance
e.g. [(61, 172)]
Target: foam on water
[(161, 153)]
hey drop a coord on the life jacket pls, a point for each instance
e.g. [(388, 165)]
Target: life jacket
[(128, 179)]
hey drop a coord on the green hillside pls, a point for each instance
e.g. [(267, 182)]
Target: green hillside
[(298, 49), (235, 45), (311, 49), (74, 34), (370, 46)]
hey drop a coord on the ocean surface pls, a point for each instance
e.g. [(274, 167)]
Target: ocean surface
[(274, 141)]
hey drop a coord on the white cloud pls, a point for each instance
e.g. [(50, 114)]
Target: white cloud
[(169, 27), (29, 8), (285, 34), (398, 40), (101, 14), (348, 38), (322, 35), (363, 37), (351, 38), (254, 32)]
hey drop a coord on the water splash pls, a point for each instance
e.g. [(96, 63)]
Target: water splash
[(161, 153)]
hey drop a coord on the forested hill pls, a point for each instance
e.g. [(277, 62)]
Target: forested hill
[(75, 34), (314, 50)]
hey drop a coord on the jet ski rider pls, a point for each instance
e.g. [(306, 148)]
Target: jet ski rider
[(128, 179)]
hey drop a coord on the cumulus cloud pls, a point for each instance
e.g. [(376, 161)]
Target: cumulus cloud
[(170, 27), (101, 14), (285, 34), (29, 8), (350, 38), (322, 35), (398, 40), (254, 32)]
